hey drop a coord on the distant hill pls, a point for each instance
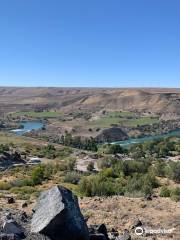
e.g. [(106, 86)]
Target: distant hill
[(161, 101)]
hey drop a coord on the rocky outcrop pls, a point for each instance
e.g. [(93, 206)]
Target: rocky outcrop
[(7, 160), (111, 135), (57, 215)]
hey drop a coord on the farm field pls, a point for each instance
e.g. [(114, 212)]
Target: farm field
[(123, 118), (34, 114)]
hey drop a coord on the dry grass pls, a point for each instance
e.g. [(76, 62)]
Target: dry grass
[(120, 212)]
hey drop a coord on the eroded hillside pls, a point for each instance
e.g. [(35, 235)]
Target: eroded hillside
[(161, 101)]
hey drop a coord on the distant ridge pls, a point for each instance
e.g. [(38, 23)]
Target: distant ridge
[(154, 100)]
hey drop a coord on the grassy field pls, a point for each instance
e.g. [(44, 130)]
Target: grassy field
[(123, 118), (6, 138), (142, 121), (33, 114)]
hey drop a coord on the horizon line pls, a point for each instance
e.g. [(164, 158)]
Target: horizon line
[(93, 87)]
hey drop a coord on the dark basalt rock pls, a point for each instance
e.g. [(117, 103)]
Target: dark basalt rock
[(98, 232), (148, 197), (9, 159), (11, 200), (111, 135), (114, 234), (97, 236), (57, 215), (9, 237), (136, 223), (11, 227), (102, 229), (24, 205)]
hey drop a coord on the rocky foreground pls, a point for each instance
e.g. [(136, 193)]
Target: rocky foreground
[(57, 216)]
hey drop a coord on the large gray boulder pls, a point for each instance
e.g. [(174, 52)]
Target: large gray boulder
[(57, 215)]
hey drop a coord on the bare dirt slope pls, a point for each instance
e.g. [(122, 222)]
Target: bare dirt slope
[(120, 213), (68, 99)]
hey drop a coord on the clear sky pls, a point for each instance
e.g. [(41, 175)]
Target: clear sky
[(99, 43)]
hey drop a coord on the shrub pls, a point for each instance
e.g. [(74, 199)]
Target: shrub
[(71, 162), (24, 193), (49, 170), (104, 163), (159, 168), (173, 171), (64, 152), (62, 166), (95, 185), (38, 175), (134, 194), (23, 190), (175, 194), (150, 179), (22, 182), (72, 177), (48, 151), (3, 148), (130, 167), (111, 149), (165, 192), (5, 186), (147, 189), (115, 148), (108, 172), (141, 183)]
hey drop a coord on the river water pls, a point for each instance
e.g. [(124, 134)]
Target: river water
[(147, 138), (27, 127)]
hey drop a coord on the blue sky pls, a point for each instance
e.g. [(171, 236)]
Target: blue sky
[(99, 43)]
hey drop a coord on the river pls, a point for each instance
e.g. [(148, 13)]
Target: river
[(131, 141), (36, 125), (27, 127)]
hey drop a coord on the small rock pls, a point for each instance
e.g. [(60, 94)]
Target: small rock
[(9, 237), (97, 236), (143, 205), (114, 233), (11, 200), (136, 223), (24, 217), (11, 227), (155, 196), (24, 205), (8, 215), (125, 236), (102, 229), (98, 231), (148, 197)]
